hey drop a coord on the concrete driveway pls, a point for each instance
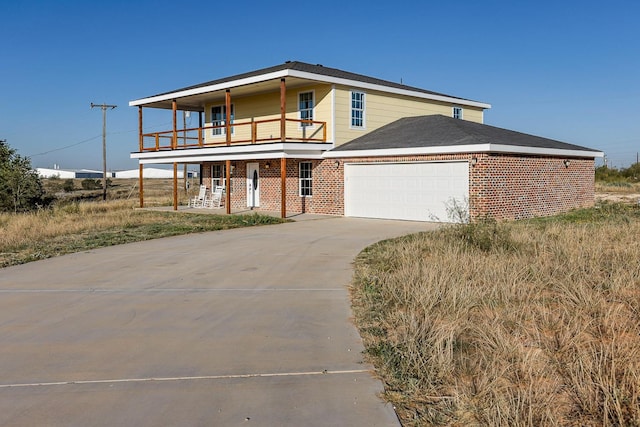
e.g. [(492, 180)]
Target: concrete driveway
[(232, 328)]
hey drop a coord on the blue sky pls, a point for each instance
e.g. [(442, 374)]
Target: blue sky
[(566, 70)]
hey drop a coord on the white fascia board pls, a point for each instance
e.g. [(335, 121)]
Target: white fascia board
[(457, 149), (307, 76), (498, 148), (236, 149), (235, 157), (258, 151), (406, 151), (382, 88), (212, 88)]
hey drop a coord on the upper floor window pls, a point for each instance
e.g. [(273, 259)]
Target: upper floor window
[(219, 117), (305, 178), (457, 113), (357, 109), (305, 106)]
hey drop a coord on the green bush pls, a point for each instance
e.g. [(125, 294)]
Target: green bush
[(20, 186), (68, 185), (91, 184)]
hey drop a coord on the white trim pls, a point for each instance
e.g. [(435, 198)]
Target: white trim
[(211, 88), (309, 76), (364, 109), (456, 149), (246, 152), (382, 88), (333, 113)]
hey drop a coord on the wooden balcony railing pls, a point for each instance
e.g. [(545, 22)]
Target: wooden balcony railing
[(249, 132)]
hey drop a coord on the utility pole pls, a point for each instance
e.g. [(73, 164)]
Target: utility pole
[(104, 108)]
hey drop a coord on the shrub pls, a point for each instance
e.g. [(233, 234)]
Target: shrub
[(91, 184), (20, 186), (68, 185)]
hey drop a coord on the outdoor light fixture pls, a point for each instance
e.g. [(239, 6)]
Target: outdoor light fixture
[(566, 163), (337, 163), (474, 161), (267, 165)]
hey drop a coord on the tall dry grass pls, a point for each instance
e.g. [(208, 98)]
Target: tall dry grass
[(516, 324), (61, 220), (78, 226)]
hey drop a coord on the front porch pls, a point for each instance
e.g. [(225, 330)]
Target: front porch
[(257, 132)]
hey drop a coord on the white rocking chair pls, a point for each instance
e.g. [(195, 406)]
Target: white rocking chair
[(216, 198), (199, 200)]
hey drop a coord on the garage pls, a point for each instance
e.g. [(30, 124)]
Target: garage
[(408, 191)]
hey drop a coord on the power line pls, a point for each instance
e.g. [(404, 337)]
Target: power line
[(65, 147)]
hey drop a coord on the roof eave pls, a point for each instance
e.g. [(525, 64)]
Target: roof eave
[(388, 89), (469, 148), (308, 76)]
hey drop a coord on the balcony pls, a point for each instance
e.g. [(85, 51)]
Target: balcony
[(241, 133)]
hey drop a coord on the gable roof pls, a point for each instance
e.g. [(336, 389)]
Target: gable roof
[(313, 69), (439, 134), (305, 71)]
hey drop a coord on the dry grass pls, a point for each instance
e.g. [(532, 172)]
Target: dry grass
[(77, 226), (521, 324)]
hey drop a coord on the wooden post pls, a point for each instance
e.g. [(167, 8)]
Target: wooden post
[(283, 110), (254, 131), (227, 119), (141, 166), (283, 187), (227, 200), (174, 107), (200, 135), (175, 186), (140, 137)]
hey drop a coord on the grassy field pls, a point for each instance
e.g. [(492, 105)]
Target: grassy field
[(514, 324), (78, 222)]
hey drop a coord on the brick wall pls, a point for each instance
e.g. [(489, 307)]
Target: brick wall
[(500, 186), (516, 187)]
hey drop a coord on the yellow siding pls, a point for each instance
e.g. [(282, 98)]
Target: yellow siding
[(267, 106), (383, 108), (380, 109)]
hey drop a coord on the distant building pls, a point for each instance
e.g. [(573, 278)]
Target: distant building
[(154, 173), (93, 174), (71, 173)]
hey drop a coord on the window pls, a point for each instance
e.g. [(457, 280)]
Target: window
[(305, 105), (218, 117), (457, 112), (357, 109), (219, 176), (305, 179)]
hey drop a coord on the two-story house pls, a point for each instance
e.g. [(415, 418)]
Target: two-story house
[(300, 138)]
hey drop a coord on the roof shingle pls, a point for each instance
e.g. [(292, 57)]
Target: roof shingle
[(440, 131)]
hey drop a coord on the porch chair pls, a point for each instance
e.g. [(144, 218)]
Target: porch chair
[(198, 201), (216, 197)]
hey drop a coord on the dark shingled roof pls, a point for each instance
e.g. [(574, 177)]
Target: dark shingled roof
[(315, 69), (441, 131)]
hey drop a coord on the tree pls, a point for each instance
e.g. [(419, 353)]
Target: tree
[(20, 186)]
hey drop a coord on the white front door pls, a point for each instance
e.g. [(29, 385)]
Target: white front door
[(253, 185)]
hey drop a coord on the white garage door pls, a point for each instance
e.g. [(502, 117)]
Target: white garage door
[(410, 191)]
